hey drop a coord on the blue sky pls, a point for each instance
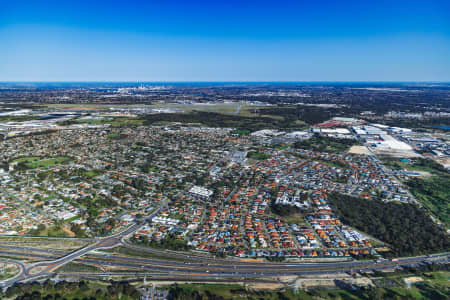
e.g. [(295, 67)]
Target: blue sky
[(227, 41)]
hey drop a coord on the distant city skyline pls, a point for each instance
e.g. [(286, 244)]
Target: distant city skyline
[(256, 41)]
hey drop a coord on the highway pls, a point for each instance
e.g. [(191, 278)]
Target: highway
[(187, 266), (41, 269), (176, 269), (269, 269)]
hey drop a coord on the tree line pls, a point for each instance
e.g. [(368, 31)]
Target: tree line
[(407, 228)]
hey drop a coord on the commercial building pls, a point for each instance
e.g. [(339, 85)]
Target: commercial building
[(201, 192)]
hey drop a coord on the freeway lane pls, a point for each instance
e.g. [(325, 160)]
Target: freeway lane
[(186, 272), (251, 270), (102, 243), (269, 271), (174, 271), (257, 267), (230, 265), (202, 266)]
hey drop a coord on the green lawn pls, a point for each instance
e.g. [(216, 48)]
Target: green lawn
[(49, 162), (295, 218), (241, 132), (280, 147), (114, 136), (18, 118), (32, 162), (72, 219), (226, 108), (114, 121), (415, 164), (78, 268), (399, 165), (336, 164), (28, 159), (91, 174), (258, 155), (137, 253)]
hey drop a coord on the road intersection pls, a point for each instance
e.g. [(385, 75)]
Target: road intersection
[(219, 268), (180, 265)]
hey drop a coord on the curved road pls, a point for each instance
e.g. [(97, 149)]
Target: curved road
[(160, 267), (192, 266), (12, 280)]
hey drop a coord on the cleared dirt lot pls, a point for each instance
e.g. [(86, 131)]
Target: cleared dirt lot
[(359, 150)]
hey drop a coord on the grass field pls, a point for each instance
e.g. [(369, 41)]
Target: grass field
[(401, 165), (258, 155), (433, 192), (28, 159), (285, 113), (12, 257), (435, 285), (137, 253), (33, 162), (53, 231), (225, 108), (18, 118), (113, 121), (295, 218), (78, 268), (220, 108), (234, 115), (8, 270)]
